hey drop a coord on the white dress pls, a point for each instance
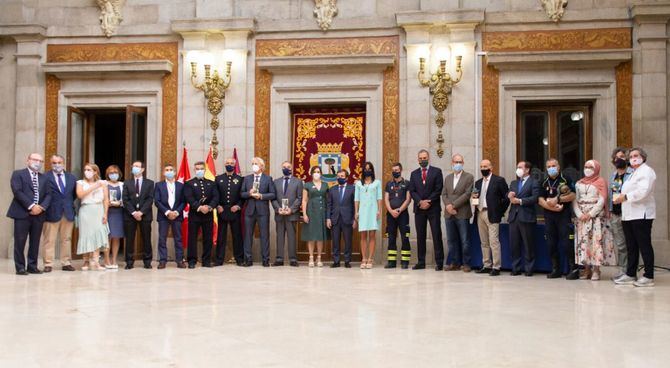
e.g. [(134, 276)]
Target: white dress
[(93, 234)]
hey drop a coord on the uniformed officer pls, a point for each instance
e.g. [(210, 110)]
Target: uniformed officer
[(557, 194), (397, 199), (230, 206), (202, 197)]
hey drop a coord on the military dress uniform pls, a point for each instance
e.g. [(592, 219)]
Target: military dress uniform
[(200, 192), (559, 230), (230, 189), (397, 192)]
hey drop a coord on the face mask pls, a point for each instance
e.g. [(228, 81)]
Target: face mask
[(169, 175), (199, 174), (620, 163), (316, 176), (57, 168), (341, 181), (520, 172), (457, 167), (136, 170), (255, 168), (36, 166), (286, 172), (113, 176), (88, 174), (423, 163), (636, 161), (588, 173), (552, 171), (485, 172), (367, 173), (396, 174), (230, 168)]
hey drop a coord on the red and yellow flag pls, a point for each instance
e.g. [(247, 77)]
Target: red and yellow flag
[(183, 175), (210, 174)]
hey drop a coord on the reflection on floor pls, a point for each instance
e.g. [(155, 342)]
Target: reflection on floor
[(287, 317)]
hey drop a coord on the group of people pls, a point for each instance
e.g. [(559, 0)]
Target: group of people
[(610, 221)]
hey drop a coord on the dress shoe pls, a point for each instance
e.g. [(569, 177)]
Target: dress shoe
[(240, 263), (218, 264), (494, 272), (452, 267), (347, 264), (515, 273), (147, 266), (161, 265), (419, 266), (266, 263), (484, 270), (181, 264), (129, 266), (528, 274), (48, 269), (68, 268), (294, 264), (466, 268), (555, 274), (247, 264), (207, 264), (335, 265), (22, 272), (404, 265), (439, 268), (191, 265), (34, 271), (278, 264), (390, 264), (573, 275)]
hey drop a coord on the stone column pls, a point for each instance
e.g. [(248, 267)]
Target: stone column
[(650, 108)]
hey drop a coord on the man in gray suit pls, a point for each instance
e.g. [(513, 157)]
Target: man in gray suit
[(456, 197), (258, 190), (287, 207), (340, 217)]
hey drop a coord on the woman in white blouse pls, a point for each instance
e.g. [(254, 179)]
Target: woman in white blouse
[(638, 210), (93, 230)]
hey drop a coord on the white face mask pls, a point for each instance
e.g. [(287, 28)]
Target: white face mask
[(520, 172), (88, 174), (316, 176), (255, 168), (588, 173), (636, 161)]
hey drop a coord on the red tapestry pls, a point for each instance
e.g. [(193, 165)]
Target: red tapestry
[(332, 140)]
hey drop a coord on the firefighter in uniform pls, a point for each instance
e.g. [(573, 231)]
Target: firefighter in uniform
[(556, 198), (202, 197), (397, 199), (230, 206)]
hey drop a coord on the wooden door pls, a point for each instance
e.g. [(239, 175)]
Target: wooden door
[(77, 154), (135, 150)]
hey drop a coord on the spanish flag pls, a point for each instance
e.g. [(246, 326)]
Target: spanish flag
[(210, 174)]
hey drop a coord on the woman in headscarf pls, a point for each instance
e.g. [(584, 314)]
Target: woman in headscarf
[(593, 241)]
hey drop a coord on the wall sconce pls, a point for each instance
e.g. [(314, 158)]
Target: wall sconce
[(214, 88), (440, 85)]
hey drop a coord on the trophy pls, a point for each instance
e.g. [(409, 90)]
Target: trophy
[(284, 204), (113, 197), (256, 186), (474, 200), (616, 190)]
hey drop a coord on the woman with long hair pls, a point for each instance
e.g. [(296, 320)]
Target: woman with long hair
[(368, 212), (314, 207), (93, 229)]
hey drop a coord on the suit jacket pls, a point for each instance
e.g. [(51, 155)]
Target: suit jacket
[(62, 204), (22, 188), (143, 202), (341, 210), (199, 192), (161, 196), (459, 197), (230, 194), (431, 189), (293, 194), (525, 212), (496, 198), (267, 190)]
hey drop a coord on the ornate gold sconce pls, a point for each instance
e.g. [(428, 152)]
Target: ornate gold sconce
[(440, 85), (214, 88)]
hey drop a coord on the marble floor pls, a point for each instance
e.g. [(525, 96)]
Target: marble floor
[(287, 317)]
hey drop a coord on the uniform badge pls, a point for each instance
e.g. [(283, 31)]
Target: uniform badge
[(236, 181)]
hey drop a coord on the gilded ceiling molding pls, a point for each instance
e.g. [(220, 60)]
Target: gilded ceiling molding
[(624, 100), (574, 39)]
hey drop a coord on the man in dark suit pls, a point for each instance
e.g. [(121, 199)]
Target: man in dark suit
[(425, 187), (202, 197), (340, 217), (229, 209), (490, 202), (138, 200), (169, 199), (32, 198), (456, 196), (523, 195), (258, 190), (59, 215), (287, 203)]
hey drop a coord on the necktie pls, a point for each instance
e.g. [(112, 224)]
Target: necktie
[(285, 186), (341, 193), (424, 174), (36, 189), (137, 186), (520, 185), (61, 185)]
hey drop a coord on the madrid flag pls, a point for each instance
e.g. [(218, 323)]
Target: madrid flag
[(183, 175)]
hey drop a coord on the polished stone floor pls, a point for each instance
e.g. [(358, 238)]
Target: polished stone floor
[(287, 317)]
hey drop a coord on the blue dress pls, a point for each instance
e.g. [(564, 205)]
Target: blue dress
[(115, 215), (368, 196)]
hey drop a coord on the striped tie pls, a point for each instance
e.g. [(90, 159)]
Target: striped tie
[(36, 189)]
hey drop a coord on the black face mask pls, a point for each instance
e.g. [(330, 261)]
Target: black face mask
[(230, 168), (423, 163), (367, 173), (620, 163), (485, 172), (396, 174)]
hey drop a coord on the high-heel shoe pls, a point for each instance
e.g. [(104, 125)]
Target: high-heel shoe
[(97, 267), (369, 264), (311, 261), (318, 262), (85, 267), (364, 264)]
